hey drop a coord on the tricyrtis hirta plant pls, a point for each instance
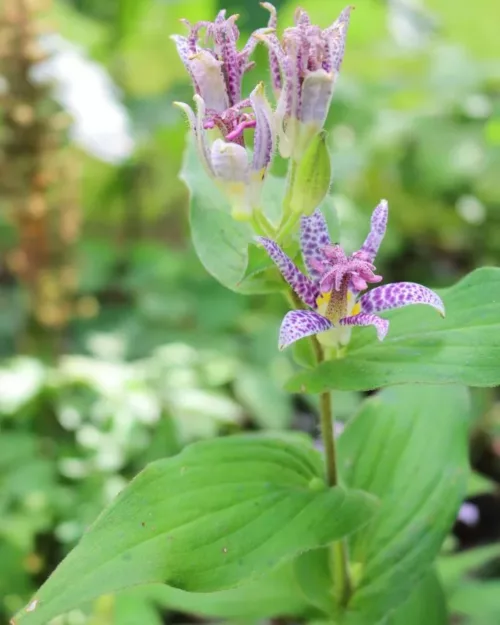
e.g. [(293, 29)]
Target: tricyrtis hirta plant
[(241, 523)]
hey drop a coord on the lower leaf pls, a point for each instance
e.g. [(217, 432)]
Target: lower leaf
[(220, 513)]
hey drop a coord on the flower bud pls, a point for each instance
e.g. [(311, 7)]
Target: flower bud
[(312, 177)]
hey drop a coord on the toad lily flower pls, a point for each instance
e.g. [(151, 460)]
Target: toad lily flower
[(307, 61), (217, 72), (226, 160), (335, 281)]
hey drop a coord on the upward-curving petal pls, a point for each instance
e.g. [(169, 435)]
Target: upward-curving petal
[(377, 231), (399, 294), (314, 237), (305, 288), (264, 137), (298, 324), (196, 125), (366, 319)]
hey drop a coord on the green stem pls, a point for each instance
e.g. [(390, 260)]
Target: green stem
[(339, 552)]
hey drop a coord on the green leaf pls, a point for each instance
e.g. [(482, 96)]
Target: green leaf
[(421, 347), (274, 594), (220, 513), (312, 571), (407, 446), (425, 606), (453, 568), (220, 242)]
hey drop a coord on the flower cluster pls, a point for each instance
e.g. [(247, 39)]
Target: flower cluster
[(304, 67), (332, 290)]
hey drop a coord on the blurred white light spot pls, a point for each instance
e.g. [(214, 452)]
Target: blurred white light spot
[(113, 486), (471, 209), (477, 106), (101, 125), (344, 136), (20, 381), (69, 418), (468, 514), (468, 158), (73, 468), (89, 436)]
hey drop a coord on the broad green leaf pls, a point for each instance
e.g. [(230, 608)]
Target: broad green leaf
[(407, 446), (425, 606), (220, 513), (274, 594), (312, 571), (421, 347), (220, 242)]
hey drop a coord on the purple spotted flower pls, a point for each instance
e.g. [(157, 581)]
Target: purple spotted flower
[(332, 290), (217, 73), (227, 162), (217, 67), (304, 68)]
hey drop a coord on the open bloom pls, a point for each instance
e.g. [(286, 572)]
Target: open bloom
[(304, 68), (332, 290), (217, 74)]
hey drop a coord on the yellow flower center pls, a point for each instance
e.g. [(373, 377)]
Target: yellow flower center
[(322, 301)]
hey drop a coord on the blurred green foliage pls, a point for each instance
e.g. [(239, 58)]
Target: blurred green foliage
[(168, 356)]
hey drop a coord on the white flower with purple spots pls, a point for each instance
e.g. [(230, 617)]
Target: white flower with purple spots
[(217, 74), (304, 68), (227, 161), (332, 289)]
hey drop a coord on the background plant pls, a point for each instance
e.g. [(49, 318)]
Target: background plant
[(423, 122)]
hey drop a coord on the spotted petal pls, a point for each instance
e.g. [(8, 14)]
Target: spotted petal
[(313, 238), (264, 137), (399, 294), (378, 226), (365, 319), (207, 72), (298, 324), (301, 284)]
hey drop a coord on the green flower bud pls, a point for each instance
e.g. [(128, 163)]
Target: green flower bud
[(312, 177)]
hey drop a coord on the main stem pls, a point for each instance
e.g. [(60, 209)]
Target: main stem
[(343, 584)]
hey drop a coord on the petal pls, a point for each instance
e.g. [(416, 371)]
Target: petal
[(228, 35), (229, 161), (378, 225), (196, 125), (231, 169), (208, 76), (365, 319), (305, 288), (317, 91), (274, 61), (264, 138), (336, 37), (298, 324), (399, 294), (313, 238)]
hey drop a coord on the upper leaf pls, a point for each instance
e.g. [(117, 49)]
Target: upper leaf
[(407, 446), (421, 347), (219, 513)]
